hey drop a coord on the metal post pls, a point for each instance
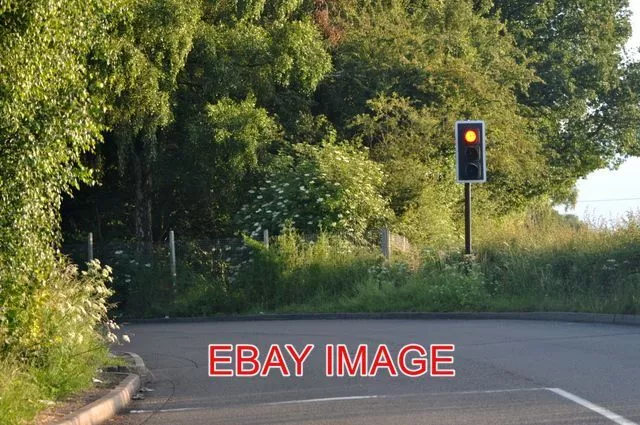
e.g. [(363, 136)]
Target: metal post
[(172, 250), (467, 218), (90, 247), (265, 238)]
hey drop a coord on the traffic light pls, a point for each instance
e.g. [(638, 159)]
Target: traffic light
[(471, 164)]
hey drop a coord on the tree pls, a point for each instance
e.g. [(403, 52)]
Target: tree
[(404, 75), (153, 41), (51, 104), (578, 103), (224, 149), (245, 93)]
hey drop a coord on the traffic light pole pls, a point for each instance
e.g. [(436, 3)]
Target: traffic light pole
[(471, 166), (467, 218)]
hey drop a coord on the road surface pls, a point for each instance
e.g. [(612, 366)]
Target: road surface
[(507, 372)]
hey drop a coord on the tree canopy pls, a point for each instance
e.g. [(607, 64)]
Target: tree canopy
[(200, 102)]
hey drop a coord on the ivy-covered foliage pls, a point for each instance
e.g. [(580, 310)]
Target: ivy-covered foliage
[(51, 103), (53, 95)]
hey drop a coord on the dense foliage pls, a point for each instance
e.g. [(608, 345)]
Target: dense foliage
[(328, 187), (213, 103), (51, 104)]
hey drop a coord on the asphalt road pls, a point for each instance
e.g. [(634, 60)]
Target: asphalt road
[(507, 372)]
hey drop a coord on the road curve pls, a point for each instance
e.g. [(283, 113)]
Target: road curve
[(507, 372)]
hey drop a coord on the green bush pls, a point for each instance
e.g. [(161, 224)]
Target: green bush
[(294, 270), (330, 187)]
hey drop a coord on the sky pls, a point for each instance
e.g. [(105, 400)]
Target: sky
[(610, 194)]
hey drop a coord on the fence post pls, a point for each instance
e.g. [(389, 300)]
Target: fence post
[(172, 250), (90, 246), (386, 243), (265, 238)]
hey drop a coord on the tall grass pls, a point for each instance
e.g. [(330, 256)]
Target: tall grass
[(536, 261), (294, 270), (61, 346), (533, 261), (558, 263)]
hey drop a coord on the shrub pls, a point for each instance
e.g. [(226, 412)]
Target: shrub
[(294, 270), (330, 187)]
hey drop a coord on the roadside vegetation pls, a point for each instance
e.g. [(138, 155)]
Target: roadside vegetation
[(59, 344), (540, 262), (533, 261)]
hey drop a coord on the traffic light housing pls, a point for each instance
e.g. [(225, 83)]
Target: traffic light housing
[(471, 166)]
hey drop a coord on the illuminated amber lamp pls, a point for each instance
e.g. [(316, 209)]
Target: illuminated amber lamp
[(470, 136)]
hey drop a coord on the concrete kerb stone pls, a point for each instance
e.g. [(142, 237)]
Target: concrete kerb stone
[(623, 319), (138, 364), (108, 406)]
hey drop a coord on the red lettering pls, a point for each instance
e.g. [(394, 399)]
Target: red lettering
[(343, 360), (328, 360), (275, 360), (435, 360), (382, 359), (419, 364), (213, 359), (299, 358), (242, 360)]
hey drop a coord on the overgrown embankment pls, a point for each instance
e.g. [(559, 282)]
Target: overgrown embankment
[(56, 344), (541, 264), (534, 262)]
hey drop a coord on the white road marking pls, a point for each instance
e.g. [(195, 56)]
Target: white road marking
[(320, 400), (364, 397), (179, 409), (614, 417), (507, 390)]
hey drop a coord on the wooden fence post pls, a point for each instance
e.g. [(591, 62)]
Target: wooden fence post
[(172, 250), (90, 247), (386, 243)]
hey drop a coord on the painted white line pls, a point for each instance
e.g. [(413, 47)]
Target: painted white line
[(387, 396), (614, 417), (321, 400), (180, 409), (507, 390)]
